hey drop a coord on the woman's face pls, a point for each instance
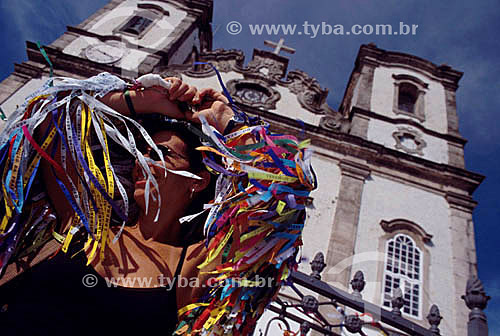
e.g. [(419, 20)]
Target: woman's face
[(175, 190)]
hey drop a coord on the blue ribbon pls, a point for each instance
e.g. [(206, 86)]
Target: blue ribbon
[(238, 114), (95, 181), (279, 164), (66, 192), (84, 183)]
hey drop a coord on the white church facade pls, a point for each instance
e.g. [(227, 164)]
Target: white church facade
[(394, 199)]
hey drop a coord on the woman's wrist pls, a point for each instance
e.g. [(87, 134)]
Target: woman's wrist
[(143, 102), (220, 116), (231, 126), (130, 104)]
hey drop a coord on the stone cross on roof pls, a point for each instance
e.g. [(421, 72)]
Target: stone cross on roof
[(279, 46)]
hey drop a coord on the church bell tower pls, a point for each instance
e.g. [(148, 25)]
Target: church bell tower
[(127, 38), (407, 103)]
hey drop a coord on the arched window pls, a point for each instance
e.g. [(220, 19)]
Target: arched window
[(407, 98), (403, 269), (142, 20), (409, 95), (136, 25)]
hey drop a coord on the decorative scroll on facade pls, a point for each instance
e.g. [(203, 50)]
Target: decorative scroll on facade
[(261, 77)]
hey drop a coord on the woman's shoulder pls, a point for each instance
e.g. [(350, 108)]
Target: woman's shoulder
[(196, 253)]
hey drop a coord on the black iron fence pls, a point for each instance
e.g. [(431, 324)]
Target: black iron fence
[(342, 302)]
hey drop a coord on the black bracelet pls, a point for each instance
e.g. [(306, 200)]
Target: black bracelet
[(130, 105), (231, 125)]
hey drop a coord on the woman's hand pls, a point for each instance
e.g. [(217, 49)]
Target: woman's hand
[(163, 92), (180, 91), (214, 106), (206, 97), (173, 87)]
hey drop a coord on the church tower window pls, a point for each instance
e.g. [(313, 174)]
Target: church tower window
[(407, 97), (142, 20), (136, 25), (403, 269), (409, 94)]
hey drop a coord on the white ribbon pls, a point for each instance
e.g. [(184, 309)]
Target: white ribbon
[(150, 80)]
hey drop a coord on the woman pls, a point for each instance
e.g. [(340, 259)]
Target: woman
[(252, 227)]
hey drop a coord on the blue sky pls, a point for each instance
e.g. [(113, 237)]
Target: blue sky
[(463, 34)]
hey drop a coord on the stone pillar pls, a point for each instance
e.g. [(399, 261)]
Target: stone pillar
[(359, 122), (456, 155), (365, 85), (345, 221), (451, 109), (455, 150), (359, 125), (343, 235), (463, 251)]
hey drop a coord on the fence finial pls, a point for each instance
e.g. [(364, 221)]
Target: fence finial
[(358, 284), (476, 299), (317, 265), (434, 317)]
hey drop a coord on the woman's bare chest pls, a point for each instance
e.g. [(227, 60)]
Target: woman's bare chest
[(133, 264)]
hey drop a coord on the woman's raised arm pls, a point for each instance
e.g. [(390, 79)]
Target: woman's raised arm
[(153, 99)]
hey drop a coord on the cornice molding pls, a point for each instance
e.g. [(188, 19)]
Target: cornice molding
[(196, 8), (354, 169), (409, 78), (375, 154), (460, 202), (27, 70), (404, 224), (406, 121)]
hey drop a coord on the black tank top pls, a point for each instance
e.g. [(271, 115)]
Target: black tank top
[(51, 299)]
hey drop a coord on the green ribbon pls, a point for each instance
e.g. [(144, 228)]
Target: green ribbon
[(226, 251), (2, 115), (46, 58)]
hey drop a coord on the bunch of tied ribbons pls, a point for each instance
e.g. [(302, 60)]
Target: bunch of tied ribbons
[(253, 227)]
